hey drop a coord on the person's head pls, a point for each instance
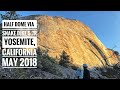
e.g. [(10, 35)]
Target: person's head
[(85, 66)]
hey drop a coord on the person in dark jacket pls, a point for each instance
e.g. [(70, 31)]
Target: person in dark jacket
[(86, 72)]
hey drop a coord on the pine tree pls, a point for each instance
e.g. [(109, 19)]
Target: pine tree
[(64, 59), (10, 15)]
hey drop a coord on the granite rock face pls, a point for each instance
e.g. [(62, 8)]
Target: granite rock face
[(57, 34)]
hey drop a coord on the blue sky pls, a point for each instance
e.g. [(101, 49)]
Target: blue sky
[(105, 24)]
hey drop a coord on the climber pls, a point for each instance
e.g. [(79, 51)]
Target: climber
[(86, 72)]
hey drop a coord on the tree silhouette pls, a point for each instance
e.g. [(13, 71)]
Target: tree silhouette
[(64, 59), (10, 15)]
